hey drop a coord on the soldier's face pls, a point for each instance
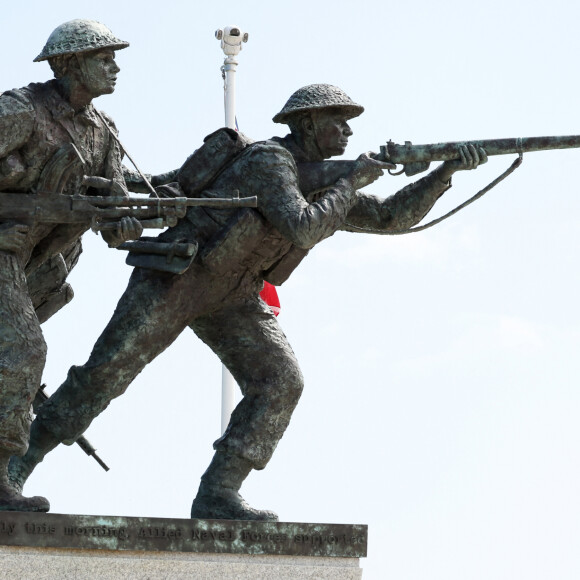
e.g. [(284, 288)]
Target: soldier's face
[(99, 72), (332, 132)]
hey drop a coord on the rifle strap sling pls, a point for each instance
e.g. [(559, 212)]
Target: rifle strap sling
[(479, 194), (124, 150)]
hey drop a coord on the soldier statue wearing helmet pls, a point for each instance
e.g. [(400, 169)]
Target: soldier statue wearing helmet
[(50, 134), (217, 296)]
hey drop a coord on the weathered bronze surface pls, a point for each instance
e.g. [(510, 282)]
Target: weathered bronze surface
[(50, 137), (217, 295), (179, 535)]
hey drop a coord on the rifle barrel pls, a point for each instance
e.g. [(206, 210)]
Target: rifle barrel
[(85, 445), (409, 153), (223, 202)]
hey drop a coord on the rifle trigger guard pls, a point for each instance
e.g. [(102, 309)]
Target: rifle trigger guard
[(391, 172)]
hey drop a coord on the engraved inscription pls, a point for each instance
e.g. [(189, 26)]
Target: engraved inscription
[(160, 533), (32, 528), (330, 539), (223, 536), (97, 532), (251, 536), (181, 535), (7, 528)]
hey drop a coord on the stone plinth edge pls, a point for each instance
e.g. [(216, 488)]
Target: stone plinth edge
[(118, 533)]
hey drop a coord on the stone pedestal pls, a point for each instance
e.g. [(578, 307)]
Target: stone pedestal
[(50, 563), (78, 547)]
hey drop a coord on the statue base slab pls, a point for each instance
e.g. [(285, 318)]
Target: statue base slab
[(39, 545)]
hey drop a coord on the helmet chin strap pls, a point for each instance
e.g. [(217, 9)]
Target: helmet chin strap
[(75, 82), (82, 67), (313, 145)]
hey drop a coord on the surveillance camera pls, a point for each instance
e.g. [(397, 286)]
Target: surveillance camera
[(231, 39)]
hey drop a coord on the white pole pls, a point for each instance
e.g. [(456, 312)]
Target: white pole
[(229, 71), (228, 397), (231, 43)]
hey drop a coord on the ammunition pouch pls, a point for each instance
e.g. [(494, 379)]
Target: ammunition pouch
[(236, 245), (229, 249), (175, 257), (281, 270)]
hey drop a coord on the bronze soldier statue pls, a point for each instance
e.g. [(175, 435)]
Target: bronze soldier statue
[(217, 296), (50, 136)]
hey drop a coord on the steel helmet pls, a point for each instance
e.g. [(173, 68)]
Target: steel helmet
[(319, 96), (79, 36)]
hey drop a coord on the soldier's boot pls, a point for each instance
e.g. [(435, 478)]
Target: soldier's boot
[(41, 442), (218, 497), (12, 500)]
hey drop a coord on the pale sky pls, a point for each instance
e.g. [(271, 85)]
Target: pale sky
[(441, 402)]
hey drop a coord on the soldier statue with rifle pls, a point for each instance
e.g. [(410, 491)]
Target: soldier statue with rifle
[(216, 294), (56, 149), (50, 137), (206, 271)]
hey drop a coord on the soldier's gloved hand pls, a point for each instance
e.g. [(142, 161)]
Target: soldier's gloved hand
[(471, 157), (129, 228), (13, 237), (367, 170)]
